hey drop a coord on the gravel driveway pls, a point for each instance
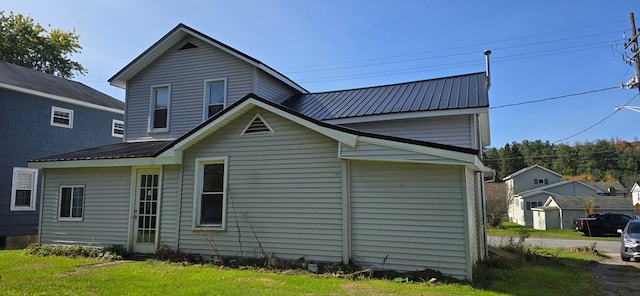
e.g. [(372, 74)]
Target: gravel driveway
[(613, 276)]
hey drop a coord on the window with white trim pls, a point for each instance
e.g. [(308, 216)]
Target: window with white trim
[(210, 193), (23, 189), (61, 117), (160, 106), (534, 204), (71, 205), (117, 128), (215, 96)]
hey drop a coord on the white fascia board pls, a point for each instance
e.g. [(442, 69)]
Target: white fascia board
[(96, 163), (406, 115), (60, 98)]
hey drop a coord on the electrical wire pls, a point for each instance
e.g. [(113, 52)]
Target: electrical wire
[(555, 98), (597, 123)]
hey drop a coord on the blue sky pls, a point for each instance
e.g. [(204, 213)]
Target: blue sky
[(541, 50)]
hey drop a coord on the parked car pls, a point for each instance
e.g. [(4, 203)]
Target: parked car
[(630, 241), (601, 224)]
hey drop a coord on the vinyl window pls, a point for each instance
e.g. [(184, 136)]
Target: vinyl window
[(534, 204), (215, 96), (160, 107), (61, 117), (210, 193), (71, 206), (23, 189)]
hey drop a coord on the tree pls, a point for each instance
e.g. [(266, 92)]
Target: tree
[(497, 202), (28, 44)]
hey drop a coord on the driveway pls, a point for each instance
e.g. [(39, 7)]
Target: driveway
[(612, 275)]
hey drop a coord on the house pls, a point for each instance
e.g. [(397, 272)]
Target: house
[(635, 195), (40, 115), (614, 188), (560, 212), (531, 187), (226, 157)]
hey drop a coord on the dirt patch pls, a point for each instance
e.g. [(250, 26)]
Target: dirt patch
[(80, 269), (616, 277)]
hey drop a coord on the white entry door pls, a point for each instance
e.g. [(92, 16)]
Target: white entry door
[(145, 213)]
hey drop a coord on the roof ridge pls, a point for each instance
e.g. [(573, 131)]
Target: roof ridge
[(394, 84)]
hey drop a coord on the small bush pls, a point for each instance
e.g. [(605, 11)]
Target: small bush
[(109, 253)]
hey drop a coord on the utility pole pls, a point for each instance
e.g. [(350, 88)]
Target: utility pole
[(633, 43)]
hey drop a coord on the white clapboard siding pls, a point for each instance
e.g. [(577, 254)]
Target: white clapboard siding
[(185, 70), (106, 207), (472, 215), (169, 207), (449, 130), (271, 88), (283, 193), (408, 217)]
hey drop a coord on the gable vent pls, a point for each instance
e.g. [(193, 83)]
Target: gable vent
[(257, 125), (187, 46)]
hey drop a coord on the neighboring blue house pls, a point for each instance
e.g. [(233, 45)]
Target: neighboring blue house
[(42, 114)]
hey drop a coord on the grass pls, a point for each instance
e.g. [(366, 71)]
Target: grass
[(513, 230), (20, 274)]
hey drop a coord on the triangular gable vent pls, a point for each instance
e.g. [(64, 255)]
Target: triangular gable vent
[(187, 46), (257, 125)]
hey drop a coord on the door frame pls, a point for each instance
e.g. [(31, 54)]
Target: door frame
[(133, 203)]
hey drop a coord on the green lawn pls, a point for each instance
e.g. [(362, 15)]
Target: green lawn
[(513, 230), (22, 274)]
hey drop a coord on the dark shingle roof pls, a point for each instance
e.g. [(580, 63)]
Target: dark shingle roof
[(603, 203), (455, 92), (113, 151), (35, 80)]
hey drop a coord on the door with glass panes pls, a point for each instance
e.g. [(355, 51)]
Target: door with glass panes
[(145, 212)]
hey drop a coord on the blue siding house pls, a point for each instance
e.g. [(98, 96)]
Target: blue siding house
[(42, 114)]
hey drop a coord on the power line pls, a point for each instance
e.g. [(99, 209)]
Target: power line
[(597, 123), (555, 98)]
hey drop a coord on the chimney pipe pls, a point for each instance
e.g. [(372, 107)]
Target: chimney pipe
[(487, 53)]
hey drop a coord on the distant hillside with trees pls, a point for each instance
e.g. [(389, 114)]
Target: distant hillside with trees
[(602, 160)]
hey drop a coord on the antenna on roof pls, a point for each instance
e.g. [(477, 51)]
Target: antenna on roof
[(487, 53)]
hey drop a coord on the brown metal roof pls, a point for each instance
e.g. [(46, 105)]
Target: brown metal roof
[(446, 93)]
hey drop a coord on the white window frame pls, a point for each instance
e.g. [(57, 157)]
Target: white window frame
[(199, 175), (114, 124), (205, 101), (152, 107), (84, 200), (55, 109), (14, 188)]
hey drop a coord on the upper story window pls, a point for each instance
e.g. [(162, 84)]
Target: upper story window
[(540, 181), (61, 117), (23, 189), (117, 128), (215, 96), (159, 111)]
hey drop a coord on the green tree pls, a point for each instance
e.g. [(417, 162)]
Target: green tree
[(26, 43)]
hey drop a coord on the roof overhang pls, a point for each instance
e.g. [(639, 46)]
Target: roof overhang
[(60, 98), (174, 36), (107, 162)]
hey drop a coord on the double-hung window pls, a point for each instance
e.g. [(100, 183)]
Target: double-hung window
[(159, 111), (210, 193), (23, 189), (215, 94), (71, 206), (61, 117)]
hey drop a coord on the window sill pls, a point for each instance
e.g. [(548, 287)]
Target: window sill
[(70, 219), (207, 228), (159, 131), (19, 209)]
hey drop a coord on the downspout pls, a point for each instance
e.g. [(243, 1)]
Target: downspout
[(487, 53)]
